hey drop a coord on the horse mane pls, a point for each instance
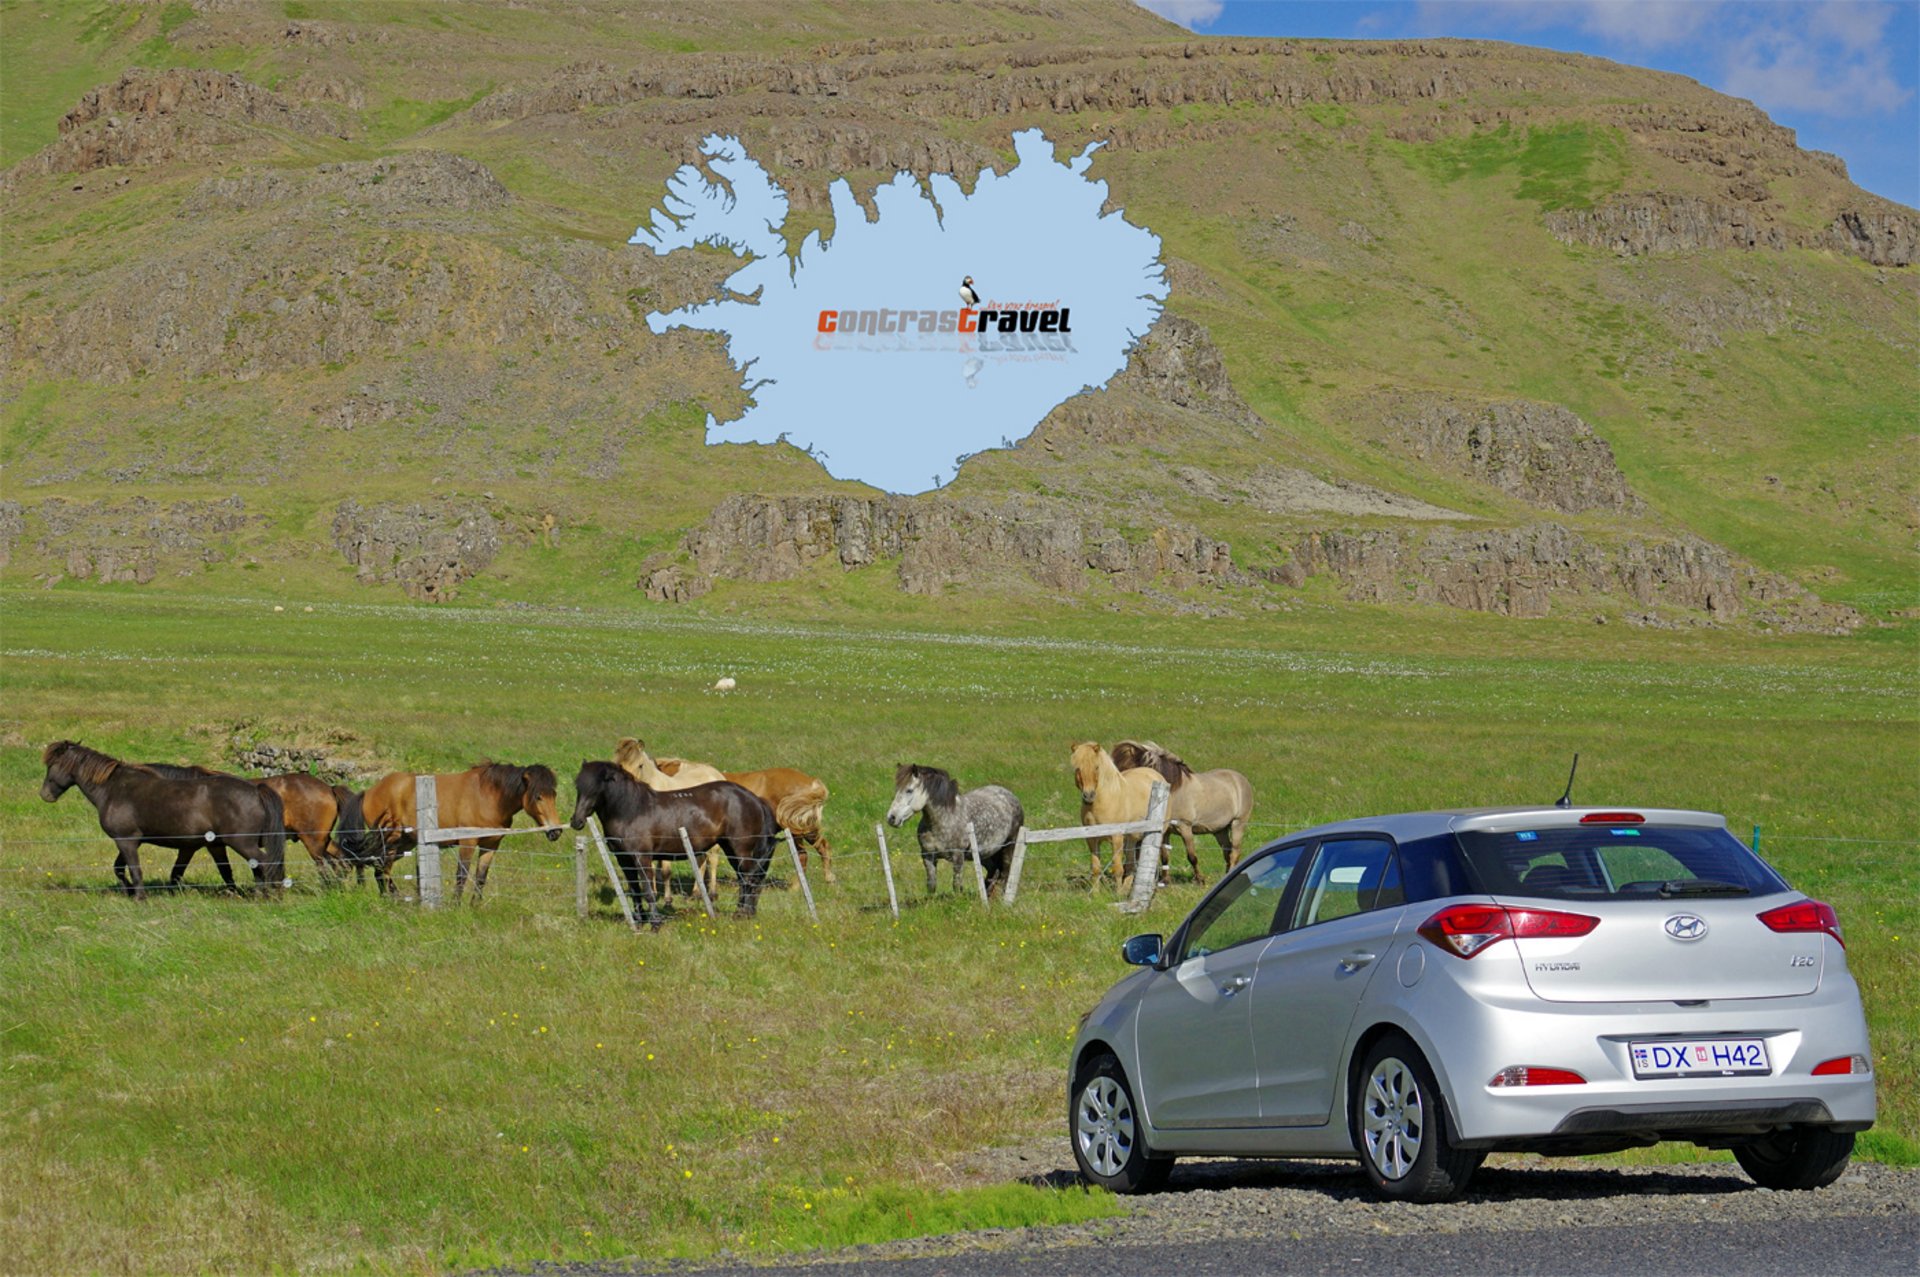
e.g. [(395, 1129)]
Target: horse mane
[(503, 778), (89, 766), (541, 782), (628, 755), (175, 771), (942, 789), (1128, 754)]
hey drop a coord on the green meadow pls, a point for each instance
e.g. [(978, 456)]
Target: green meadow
[(331, 1080)]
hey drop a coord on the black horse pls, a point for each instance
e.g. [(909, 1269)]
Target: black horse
[(138, 805), (641, 823)]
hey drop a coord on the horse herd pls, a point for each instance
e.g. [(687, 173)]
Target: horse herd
[(643, 805)]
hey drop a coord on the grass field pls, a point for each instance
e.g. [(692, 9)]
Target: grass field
[(334, 1081)]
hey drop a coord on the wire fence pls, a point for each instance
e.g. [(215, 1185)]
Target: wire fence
[(43, 863)]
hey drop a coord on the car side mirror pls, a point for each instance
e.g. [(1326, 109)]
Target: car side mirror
[(1142, 951)]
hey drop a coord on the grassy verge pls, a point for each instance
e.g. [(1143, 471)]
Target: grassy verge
[(332, 1081)]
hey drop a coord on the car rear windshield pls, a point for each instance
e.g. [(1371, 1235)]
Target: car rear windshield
[(1616, 862)]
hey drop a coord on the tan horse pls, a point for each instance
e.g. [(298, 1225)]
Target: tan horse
[(485, 797), (797, 800), (1109, 796), (1217, 802)]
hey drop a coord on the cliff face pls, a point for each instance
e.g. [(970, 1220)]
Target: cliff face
[(1454, 324)]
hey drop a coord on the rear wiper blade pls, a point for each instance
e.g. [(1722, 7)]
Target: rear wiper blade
[(1701, 887)]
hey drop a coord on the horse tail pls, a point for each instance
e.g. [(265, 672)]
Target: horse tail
[(273, 839), (350, 830), (799, 809)]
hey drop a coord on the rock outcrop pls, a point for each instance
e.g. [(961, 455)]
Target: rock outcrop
[(427, 550), (1177, 363), (941, 544), (1538, 453), (124, 541), (149, 117), (1634, 225), (417, 182)]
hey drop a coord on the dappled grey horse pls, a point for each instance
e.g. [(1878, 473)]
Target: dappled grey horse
[(945, 813)]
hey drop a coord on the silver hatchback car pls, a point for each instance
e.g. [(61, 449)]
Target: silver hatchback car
[(1420, 990)]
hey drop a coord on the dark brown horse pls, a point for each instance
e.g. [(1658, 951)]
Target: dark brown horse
[(138, 805), (643, 823), (309, 806), (488, 796)]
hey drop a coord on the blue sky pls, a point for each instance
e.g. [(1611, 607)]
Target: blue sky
[(1842, 73)]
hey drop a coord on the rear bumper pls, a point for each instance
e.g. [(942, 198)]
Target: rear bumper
[(1677, 1121), (1486, 1034)]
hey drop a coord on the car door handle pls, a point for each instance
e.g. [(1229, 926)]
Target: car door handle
[(1234, 985), (1354, 961)]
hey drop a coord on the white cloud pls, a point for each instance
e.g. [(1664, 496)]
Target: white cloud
[(1829, 57), (1643, 24), (1190, 14), (1830, 62)]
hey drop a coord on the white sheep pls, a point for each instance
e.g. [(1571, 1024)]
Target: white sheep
[(725, 685)]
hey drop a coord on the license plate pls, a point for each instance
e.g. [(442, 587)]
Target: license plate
[(1708, 1057)]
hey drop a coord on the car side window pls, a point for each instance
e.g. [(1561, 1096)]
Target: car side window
[(1352, 875), (1246, 906)]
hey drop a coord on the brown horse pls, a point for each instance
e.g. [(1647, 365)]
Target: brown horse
[(643, 825), (138, 805), (797, 800), (488, 796), (311, 813), (1217, 802), (309, 807)]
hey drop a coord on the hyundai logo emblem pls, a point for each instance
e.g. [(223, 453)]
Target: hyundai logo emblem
[(1686, 926)]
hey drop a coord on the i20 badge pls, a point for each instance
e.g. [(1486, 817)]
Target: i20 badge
[(1686, 926)]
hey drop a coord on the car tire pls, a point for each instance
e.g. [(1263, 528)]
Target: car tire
[(1104, 1126), (1401, 1128), (1801, 1157)]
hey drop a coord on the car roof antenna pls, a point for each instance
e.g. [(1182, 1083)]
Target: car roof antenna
[(1566, 799)]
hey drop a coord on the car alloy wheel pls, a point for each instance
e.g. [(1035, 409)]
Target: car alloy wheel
[(1103, 1125), (1400, 1126), (1393, 1119), (1109, 1136)]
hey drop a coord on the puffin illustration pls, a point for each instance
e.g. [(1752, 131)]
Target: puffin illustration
[(968, 295)]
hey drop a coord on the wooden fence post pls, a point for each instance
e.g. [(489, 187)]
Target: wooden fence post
[(886, 867), (613, 871), (580, 875), (699, 879), (1146, 874), (801, 871), (1013, 870), (979, 873), (426, 820)]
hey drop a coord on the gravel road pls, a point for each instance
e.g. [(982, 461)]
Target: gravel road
[(1523, 1215)]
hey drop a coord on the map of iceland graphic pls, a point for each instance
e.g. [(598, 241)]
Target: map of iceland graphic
[(857, 349)]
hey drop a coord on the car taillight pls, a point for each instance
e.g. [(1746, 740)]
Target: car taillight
[(1805, 915), (1613, 818), (1464, 930), (1534, 1075), (1843, 1064)]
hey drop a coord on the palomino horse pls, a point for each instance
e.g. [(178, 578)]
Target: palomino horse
[(138, 805), (1110, 796), (643, 824), (797, 800), (309, 807), (945, 814), (1217, 802), (488, 796)]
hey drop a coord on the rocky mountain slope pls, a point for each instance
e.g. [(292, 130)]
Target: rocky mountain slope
[(339, 294)]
